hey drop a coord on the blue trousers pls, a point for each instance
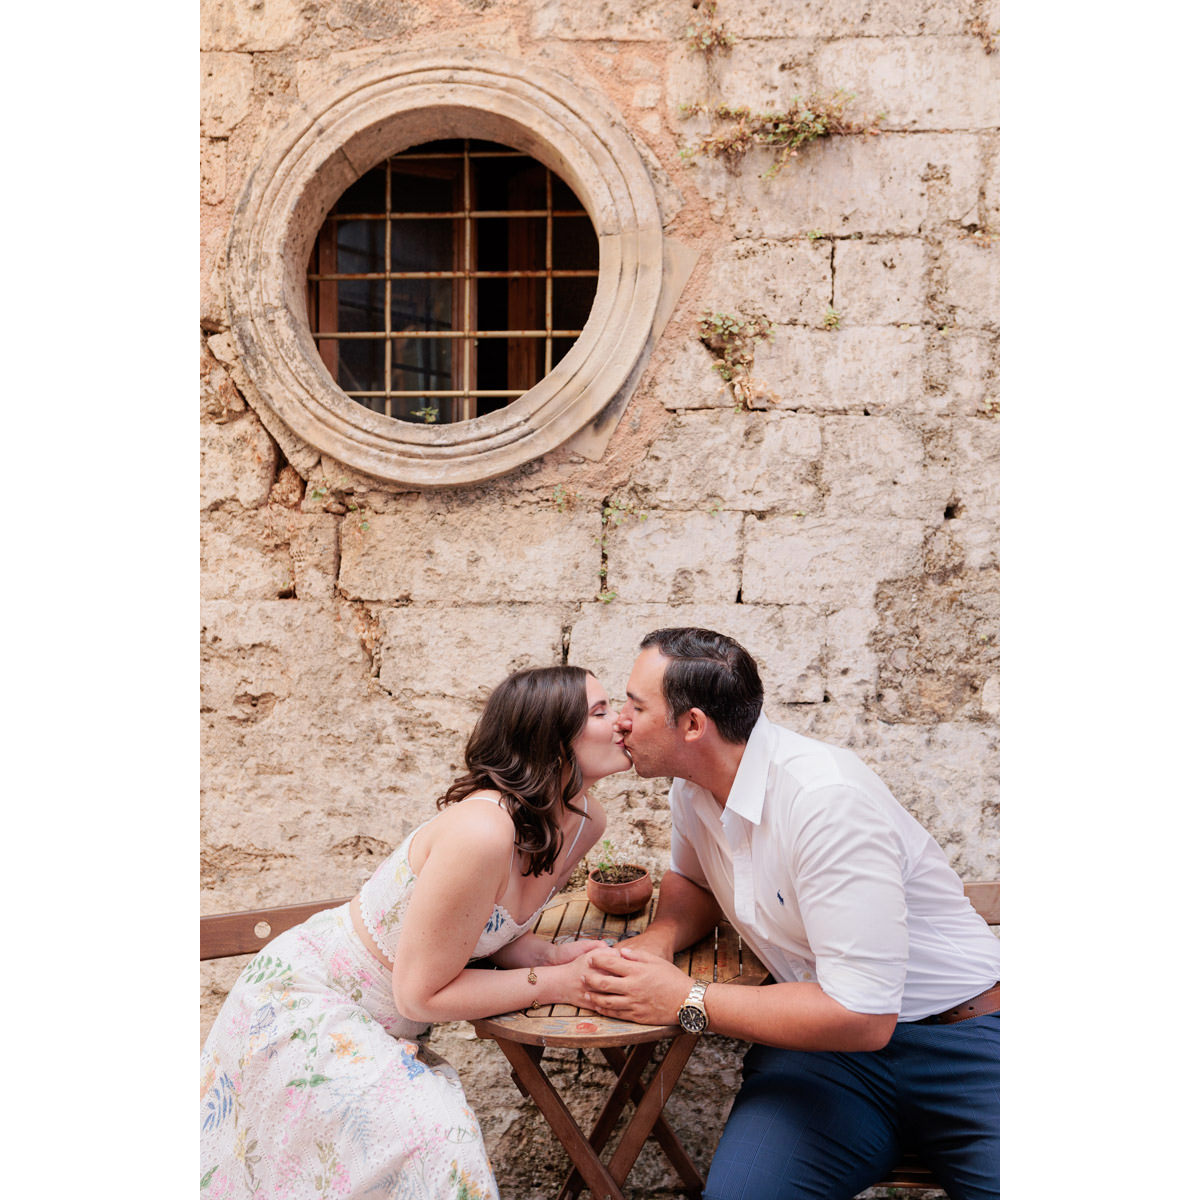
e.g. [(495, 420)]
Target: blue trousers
[(823, 1126)]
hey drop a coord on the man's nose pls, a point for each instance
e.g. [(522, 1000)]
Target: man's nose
[(624, 718)]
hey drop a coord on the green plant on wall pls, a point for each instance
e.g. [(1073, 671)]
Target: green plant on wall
[(731, 339), (787, 131), (707, 35), (337, 498), (612, 514)]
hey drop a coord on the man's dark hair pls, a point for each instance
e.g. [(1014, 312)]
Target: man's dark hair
[(713, 673)]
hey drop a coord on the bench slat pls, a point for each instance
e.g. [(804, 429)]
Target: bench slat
[(986, 899), (227, 934)]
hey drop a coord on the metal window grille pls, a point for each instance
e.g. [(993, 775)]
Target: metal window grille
[(449, 279)]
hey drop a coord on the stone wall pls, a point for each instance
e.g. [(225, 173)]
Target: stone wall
[(844, 526)]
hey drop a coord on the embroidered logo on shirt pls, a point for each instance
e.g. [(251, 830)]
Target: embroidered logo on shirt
[(779, 897)]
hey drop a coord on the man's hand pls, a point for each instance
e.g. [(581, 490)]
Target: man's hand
[(634, 985)]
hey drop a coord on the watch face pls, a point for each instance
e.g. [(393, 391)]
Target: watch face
[(692, 1019)]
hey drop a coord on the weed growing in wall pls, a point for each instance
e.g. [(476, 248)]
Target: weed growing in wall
[(612, 514), (337, 498), (787, 132), (831, 320), (731, 338), (707, 35)]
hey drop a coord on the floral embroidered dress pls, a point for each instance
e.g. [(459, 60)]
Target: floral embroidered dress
[(313, 1084)]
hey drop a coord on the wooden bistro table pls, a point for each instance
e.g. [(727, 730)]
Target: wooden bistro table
[(627, 1048)]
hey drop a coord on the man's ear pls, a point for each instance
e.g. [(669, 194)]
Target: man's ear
[(694, 724)]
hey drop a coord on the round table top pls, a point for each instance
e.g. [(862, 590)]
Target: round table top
[(722, 958)]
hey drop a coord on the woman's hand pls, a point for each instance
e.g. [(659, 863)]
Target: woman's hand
[(566, 952)]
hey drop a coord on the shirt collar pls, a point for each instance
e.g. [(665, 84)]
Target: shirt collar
[(749, 791)]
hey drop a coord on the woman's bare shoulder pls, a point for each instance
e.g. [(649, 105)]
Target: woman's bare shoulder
[(476, 829)]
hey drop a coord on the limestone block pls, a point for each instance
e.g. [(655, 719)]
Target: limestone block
[(970, 452), (963, 371), (679, 558), (212, 171), (874, 467), (270, 553), (875, 370), (972, 283), (880, 283), (464, 651), (237, 462), (825, 564), (301, 753), (477, 555), (786, 642), (947, 776), (851, 664), (790, 283), (749, 460), (235, 565), (851, 184), (608, 21), (834, 19), (755, 72), (989, 202), (916, 82), (226, 83), (685, 376), (251, 24)]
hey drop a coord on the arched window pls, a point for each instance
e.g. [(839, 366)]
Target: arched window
[(410, 358)]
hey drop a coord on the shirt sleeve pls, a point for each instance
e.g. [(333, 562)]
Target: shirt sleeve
[(684, 859), (848, 862)]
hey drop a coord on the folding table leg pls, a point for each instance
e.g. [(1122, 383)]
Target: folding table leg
[(651, 1105), (627, 1066), (595, 1174), (664, 1135)]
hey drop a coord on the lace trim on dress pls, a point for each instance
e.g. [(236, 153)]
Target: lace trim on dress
[(374, 932)]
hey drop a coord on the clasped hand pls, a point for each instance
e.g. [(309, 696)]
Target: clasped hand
[(634, 985)]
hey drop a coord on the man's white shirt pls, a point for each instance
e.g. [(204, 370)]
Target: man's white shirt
[(830, 879)]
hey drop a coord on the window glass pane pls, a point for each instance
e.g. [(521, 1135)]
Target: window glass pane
[(422, 363), (560, 348), (360, 247), (491, 364), (514, 182), (360, 305), (365, 196), (425, 185), (572, 301), (493, 305), (562, 196), (422, 304), (575, 245), (360, 365), (423, 245)]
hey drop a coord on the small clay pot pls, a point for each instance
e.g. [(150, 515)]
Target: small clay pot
[(620, 899)]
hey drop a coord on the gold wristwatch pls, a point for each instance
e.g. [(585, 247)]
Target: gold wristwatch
[(692, 1015)]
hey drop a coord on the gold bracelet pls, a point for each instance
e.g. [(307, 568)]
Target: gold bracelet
[(532, 976)]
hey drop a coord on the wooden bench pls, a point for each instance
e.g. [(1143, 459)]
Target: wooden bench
[(229, 934)]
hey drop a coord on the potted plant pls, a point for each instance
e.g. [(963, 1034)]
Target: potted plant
[(618, 887)]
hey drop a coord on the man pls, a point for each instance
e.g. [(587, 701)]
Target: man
[(881, 1032)]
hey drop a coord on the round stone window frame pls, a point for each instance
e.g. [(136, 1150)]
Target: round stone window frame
[(339, 135)]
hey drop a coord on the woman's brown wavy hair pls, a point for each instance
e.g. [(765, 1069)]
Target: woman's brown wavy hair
[(519, 746)]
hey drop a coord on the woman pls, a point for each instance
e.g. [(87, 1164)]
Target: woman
[(312, 1082)]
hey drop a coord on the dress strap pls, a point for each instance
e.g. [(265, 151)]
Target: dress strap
[(582, 823)]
